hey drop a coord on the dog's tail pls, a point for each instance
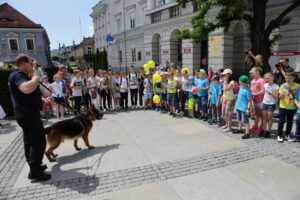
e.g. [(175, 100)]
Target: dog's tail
[(47, 130)]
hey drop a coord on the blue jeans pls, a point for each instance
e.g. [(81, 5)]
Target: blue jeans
[(297, 134), (202, 104), (242, 117)]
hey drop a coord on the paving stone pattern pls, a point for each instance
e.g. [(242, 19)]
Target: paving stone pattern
[(12, 161)]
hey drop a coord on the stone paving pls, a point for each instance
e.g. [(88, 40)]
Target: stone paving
[(146, 153)]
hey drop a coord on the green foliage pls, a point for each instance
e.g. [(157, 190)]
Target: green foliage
[(5, 100), (185, 34), (100, 60)]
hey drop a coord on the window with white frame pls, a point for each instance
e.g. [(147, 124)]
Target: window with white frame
[(30, 44), (89, 50), (13, 44), (133, 55), (132, 20), (118, 25)]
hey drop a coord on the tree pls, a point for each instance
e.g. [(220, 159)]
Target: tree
[(97, 60), (261, 35)]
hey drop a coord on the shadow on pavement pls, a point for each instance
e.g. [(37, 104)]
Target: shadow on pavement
[(79, 178), (7, 128)]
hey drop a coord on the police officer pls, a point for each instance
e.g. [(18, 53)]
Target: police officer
[(27, 102)]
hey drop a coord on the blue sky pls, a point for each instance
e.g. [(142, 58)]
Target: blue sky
[(59, 17)]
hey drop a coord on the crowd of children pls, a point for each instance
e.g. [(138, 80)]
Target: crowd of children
[(208, 96)]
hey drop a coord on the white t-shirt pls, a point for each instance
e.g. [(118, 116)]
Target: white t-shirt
[(78, 84), (133, 81), (268, 98), (57, 89), (123, 84)]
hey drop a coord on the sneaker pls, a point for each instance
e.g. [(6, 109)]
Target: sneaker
[(201, 117), (205, 119), (296, 140), (237, 131), (210, 121), (156, 109), (224, 127), (288, 138), (246, 136), (266, 134), (253, 129), (279, 139), (171, 113), (227, 130)]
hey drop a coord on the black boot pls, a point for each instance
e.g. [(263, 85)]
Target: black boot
[(37, 174)]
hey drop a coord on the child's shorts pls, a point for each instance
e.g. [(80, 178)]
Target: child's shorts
[(242, 117), (270, 108), (257, 105), (191, 103), (172, 99), (148, 96), (59, 100), (227, 108)]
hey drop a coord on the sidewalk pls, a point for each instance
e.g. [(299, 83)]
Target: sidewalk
[(148, 155)]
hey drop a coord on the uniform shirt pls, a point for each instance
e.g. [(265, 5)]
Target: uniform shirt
[(202, 83), (57, 89), (133, 81), (23, 102), (268, 97), (78, 85), (288, 102), (244, 97), (215, 91)]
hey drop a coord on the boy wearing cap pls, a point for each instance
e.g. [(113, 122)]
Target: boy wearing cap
[(215, 94), (203, 86), (243, 106)]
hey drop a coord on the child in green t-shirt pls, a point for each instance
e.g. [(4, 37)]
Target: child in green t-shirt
[(287, 107)]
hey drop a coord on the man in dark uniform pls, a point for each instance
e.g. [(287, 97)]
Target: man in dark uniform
[(27, 101)]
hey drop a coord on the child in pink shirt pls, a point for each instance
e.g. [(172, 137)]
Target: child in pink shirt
[(257, 88)]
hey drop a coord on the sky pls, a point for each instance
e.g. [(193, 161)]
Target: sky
[(60, 18)]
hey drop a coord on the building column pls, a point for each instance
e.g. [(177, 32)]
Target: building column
[(220, 50), (151, 4), (165, 52), (191, 55)]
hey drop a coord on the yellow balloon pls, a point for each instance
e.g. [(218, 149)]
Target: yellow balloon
[(157, 78), (185, 70), (146, 67), (156, 99), (151, 64)]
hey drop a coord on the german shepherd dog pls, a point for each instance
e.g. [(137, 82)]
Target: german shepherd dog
[(71, 129)]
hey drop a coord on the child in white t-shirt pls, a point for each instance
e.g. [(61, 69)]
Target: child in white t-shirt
[(58, 95), (269, 102), (77, 86)]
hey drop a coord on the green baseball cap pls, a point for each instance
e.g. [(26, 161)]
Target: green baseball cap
[(202, 71), (244, 79)]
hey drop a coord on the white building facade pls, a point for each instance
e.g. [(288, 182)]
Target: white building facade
[(151, 27)]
